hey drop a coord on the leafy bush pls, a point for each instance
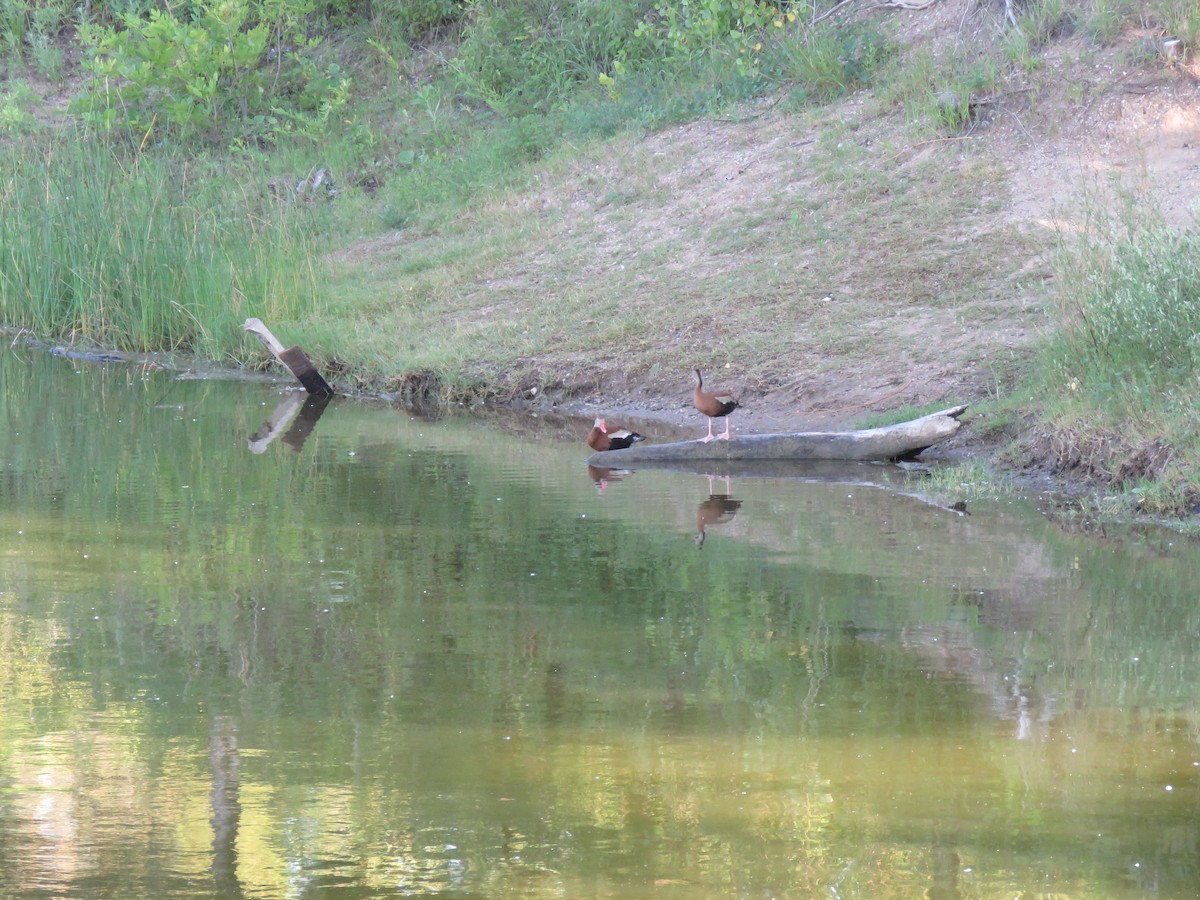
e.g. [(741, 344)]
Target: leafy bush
[(518, 56), (684, 29), (239, 69)]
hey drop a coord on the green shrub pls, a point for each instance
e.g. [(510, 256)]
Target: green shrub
[(236, 70), (518, 56), (682, 30)]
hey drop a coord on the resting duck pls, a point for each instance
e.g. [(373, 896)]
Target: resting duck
[(601, 438), (713, 404)]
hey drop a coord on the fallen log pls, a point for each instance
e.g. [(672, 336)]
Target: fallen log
[(294, 358), (903, 440)]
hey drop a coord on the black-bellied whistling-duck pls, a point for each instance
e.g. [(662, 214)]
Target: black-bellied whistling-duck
[(713, 404), (601, 437)]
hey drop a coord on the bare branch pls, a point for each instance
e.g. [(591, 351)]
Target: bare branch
[(904, 4)]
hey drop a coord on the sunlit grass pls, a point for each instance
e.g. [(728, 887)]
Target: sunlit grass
[(143, 254)]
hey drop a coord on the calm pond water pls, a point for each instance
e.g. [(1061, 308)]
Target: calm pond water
[(383, 656)]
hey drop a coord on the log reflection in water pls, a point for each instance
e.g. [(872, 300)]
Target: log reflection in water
[(225, 760)]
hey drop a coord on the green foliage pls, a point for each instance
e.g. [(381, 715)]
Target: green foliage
[(828, 60), (15, 18), (48, 58), (963, 482), (483, 160), (238, 69), (1105, 21), (900, 414), (1129, 310), (518, 56), (16, 105), (418, 18), (650, 99), (1038, 23), (143, 256), (684, 30), (1115, 380), (937, 92), (30, 24), (1180, 19)]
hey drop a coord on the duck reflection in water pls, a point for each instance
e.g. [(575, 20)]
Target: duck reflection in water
[(716, 510), (603, 476)]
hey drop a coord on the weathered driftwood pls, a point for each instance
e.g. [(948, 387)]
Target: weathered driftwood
[(293, 357), (903, 440)]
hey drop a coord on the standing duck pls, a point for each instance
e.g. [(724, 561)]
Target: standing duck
[(713, 404), (601, 438)]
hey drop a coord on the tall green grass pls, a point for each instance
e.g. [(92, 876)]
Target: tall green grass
[(1128, 304), (145, 254), (823, 62), (1116, 379)]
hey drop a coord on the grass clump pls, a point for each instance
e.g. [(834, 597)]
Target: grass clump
[(829, 60), (939, 93), (964, 482), (1116, 380), (143, 254), (1128, 303), (17, 101), (1179, 19), (1037, 24)]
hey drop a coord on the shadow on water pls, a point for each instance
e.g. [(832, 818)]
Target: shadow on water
[(426, 656)]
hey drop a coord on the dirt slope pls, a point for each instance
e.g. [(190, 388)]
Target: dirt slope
[(1078, 126)]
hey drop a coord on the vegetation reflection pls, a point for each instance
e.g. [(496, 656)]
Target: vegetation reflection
[(408, 659)]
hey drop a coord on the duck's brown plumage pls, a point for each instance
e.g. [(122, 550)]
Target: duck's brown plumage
[(601, 437), (714, 404), (716, 510)]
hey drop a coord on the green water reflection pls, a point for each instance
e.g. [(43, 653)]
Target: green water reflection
[(408, 656)]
